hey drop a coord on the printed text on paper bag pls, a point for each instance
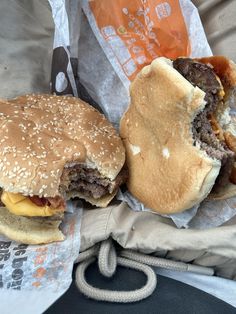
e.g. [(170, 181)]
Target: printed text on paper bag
[(18, 260)]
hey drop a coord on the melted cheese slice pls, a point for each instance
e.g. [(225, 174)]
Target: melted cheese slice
[(21, 205)]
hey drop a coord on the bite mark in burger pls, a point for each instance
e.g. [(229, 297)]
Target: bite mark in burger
[(53, 149), (206, 130)]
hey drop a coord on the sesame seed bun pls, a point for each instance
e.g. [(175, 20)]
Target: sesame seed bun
[(166, 171), (41, 134)]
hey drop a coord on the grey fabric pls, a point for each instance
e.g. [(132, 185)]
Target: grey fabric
[(26, 39), (218, 18), (150, 233)]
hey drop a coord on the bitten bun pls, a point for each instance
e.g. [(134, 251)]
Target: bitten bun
[(167, 173), (42, 134)]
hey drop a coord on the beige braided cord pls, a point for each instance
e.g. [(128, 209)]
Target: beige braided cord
[(108, 261), (93, 251), (116, 296), (165, 263), (107, 258)]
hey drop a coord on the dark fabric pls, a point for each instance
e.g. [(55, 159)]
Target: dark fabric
[(170, 297)]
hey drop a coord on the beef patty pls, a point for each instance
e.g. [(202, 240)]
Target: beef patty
[(203, 76), (82, 179), (89, 181)]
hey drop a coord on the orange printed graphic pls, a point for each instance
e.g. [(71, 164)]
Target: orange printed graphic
[(138, 31), (41, 256), (39, 273), (36, 284)]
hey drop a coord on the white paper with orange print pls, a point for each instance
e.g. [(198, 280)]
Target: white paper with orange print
[(133, 33)]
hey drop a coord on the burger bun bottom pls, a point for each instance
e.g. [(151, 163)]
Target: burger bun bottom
[(28, 230), (100, 202)]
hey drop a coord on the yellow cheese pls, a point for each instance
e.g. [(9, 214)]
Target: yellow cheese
[(15, 198), (21, 205), (221, 93)]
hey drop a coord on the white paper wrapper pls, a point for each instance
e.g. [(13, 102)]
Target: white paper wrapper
[(102, 82), (108, 85), (208, 214), (213, 213), (199, 44), (180, 219)]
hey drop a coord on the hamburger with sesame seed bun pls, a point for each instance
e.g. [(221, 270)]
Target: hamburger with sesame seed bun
[(52, 149), (179, 137)]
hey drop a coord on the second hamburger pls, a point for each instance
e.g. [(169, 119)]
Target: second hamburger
[(178, 132)]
